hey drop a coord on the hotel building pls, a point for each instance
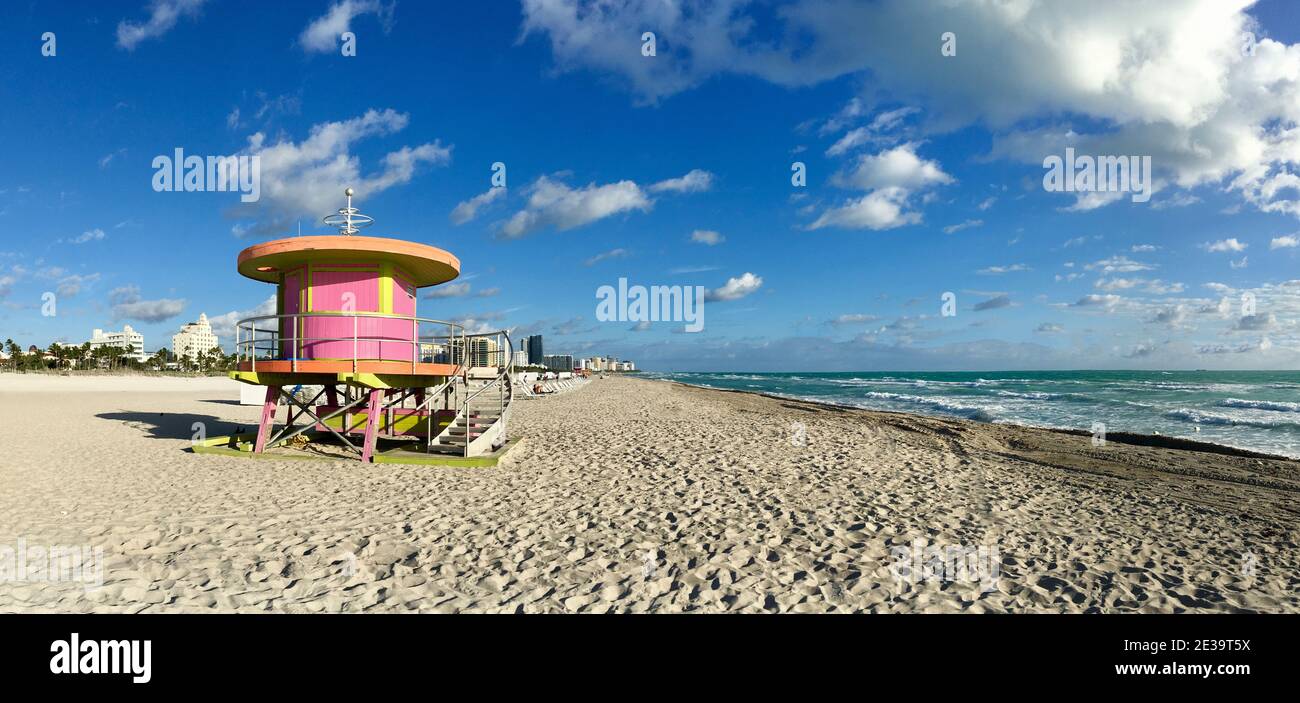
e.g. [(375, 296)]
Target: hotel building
[(128, 339), (194, 340)]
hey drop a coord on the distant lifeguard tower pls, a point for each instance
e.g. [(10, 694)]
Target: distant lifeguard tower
[(347, 328)]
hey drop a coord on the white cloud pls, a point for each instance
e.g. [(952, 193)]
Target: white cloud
[(1084, 202), (1176, 200), (849, 141), (1167, 79), (1107, 301), (1284, 242), (735, 288), (882, 209), (467, 210), (555, 204), (1255, 323), (224, 325), (999, 270), (847, 115), (322, 34), (853, 319), (611, 254), (897, 167), (162, 17), (307, 178), (1118, 264), (552, 203), (1153, 286), (1225, 245), (128, 305), (891, 176), (449, 290), (1159, 287), (70, 286), (92, 235), (950, 229), (707, 237), (1111, 284), (108, 158), (997, 301), (1172, 316), (697, 181), (878, 131)]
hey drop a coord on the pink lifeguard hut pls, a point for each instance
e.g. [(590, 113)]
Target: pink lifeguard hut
[(347, 329)]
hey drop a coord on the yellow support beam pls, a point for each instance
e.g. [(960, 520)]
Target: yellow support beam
[(386, 381)]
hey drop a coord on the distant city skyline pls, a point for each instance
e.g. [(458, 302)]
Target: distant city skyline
[(848, 187)]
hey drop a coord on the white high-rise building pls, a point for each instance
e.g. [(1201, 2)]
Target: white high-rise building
[(194, 340), (128, 339)]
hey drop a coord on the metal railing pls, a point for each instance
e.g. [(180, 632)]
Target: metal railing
[(270, 346)]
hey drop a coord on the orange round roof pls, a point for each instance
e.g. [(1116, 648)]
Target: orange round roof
[(428, 266)]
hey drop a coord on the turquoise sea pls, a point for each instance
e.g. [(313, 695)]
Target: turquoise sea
[(1258, 410)]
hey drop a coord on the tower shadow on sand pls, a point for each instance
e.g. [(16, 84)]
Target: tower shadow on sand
[(174, 425)]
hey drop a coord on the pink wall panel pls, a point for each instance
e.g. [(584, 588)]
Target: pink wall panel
[(330, 287), (403, 301), (291, 290), (383, 338), (378, 338)]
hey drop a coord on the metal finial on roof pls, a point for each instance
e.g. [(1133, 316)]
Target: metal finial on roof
[(349, 220)]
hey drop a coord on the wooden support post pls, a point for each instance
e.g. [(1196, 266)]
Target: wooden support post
[(372, 424), (331, 396), (268, 418)]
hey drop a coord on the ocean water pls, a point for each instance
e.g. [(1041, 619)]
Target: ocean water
[(1257, 410)]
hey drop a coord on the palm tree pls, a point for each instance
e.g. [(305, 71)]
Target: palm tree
[(15, 353), (59, 352)]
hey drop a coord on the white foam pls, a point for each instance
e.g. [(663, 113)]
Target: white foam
[(1277, 406)]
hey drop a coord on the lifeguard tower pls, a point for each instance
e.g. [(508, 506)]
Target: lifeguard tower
[(347, 328)]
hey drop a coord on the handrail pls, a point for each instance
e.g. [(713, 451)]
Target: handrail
[(275, 338)]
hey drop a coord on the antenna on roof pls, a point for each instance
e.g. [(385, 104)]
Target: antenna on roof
[(349, 220)]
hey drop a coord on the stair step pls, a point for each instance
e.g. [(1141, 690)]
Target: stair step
[(459, 432), (478, 425)]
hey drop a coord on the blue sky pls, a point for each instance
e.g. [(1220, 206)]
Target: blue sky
[(924, 171)]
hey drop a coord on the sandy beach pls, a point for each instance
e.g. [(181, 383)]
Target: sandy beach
[(630, 495)]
